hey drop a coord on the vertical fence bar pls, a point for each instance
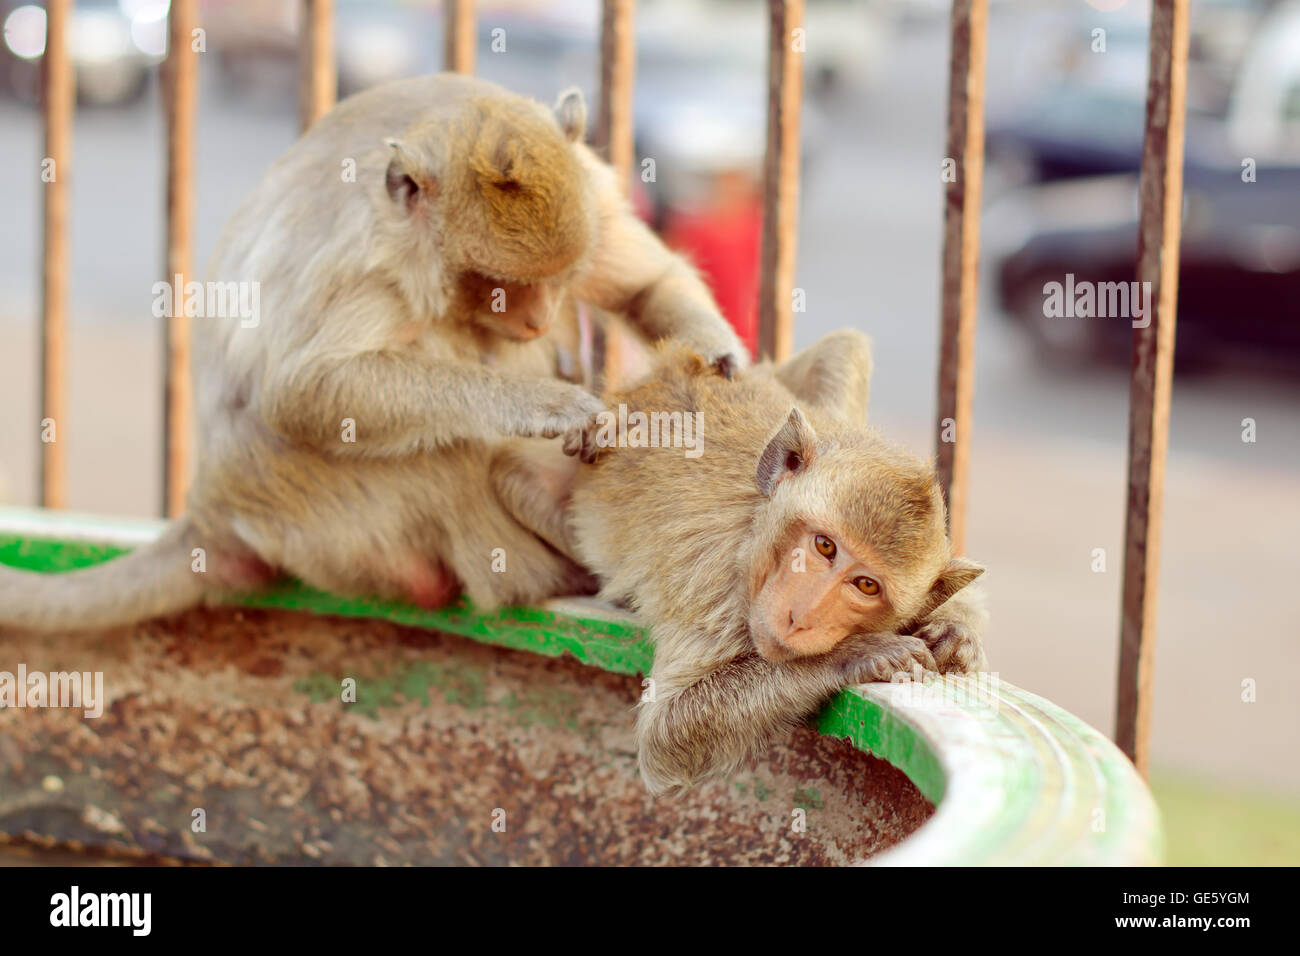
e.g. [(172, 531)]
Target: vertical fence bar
[(781, 179), (1159, 230), (181, 104), (614, 138), (58, 95), (459, 40), (961, 242), (317, 77)]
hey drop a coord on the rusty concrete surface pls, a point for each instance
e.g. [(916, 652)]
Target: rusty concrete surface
[(453, 753)]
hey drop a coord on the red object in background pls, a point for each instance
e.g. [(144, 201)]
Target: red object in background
[(723, 240)]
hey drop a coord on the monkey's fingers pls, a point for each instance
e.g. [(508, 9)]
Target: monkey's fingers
[(956, 647), (729, 363), (584, 442), (878, 657), (562, 408)]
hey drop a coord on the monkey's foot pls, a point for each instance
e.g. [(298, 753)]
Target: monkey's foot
[(430, 586), (243, 571)]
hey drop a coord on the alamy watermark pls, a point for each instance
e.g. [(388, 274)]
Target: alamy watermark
[(76, 689), (651, 430), (209, 300), (978, 693), (1086, 300)]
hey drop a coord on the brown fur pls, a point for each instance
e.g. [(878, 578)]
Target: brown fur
[(376, 307), (689, 543)]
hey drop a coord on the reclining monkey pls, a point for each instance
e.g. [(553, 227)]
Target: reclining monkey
[(405, 313), (798, 554)]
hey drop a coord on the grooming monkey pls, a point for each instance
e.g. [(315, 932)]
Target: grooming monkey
[(798, 554), (405, 329)]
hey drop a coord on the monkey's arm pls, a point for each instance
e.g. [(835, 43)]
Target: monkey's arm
[(634, 274), (403, 402), (707, 724)]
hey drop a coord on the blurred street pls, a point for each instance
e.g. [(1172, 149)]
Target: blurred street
[(1049, 452)]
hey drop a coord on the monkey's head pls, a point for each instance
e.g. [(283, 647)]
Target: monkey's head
[(852, 539), (501, 203)]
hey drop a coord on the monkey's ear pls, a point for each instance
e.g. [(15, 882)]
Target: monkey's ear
[(571, 114), (787, 452), (956, 574), (399, 182)]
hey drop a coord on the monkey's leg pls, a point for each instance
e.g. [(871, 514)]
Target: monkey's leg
[(705, 722), (534, 480), (500, 559), (833, 374)]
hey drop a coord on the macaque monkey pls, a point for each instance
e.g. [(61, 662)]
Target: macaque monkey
[(411, 253), (795, 554)]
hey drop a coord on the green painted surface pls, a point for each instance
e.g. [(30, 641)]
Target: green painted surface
[(47, 555), (870, 727)]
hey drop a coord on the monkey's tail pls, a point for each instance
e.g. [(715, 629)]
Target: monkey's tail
[(151, 581)]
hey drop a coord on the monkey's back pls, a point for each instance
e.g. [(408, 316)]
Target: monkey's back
[(312, 238), (662, 529)]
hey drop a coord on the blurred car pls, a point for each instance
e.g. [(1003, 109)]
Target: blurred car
[(254, 43), (113, 44), (847, 41), (1087, 118), (1239, 275)]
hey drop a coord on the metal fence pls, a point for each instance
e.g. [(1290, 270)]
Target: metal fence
[(1160, 224)]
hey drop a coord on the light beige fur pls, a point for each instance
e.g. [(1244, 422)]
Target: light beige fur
[(376, 302), (691, 542)]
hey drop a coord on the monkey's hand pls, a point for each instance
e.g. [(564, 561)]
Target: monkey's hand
[(864, 658), (953, 632), (558, 408), (584, 441), (729, 362), (956, 647)]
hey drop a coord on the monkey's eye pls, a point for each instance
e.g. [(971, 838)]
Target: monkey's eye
[(825, 547), (868, 586)]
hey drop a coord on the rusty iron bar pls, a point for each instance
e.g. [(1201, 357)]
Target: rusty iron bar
[(460, 43), (181, 105), (781, 179), (961, 243), (614, 133), (613, 137), (317, 76), (58, 94), (1159, 231)]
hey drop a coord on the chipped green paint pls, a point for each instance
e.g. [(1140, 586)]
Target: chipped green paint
[(411, 682), (611, 645), (322, 688), (465, 687), (809, 799)]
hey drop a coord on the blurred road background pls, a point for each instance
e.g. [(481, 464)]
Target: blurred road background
[(1050, 432)]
